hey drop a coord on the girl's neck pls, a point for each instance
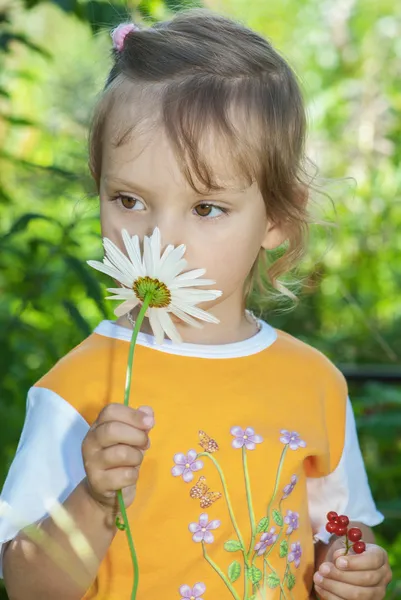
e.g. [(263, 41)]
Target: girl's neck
[(236, 328)]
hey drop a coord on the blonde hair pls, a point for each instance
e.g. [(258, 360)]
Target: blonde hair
[(203, 68)]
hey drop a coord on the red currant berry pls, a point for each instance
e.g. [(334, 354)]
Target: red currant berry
[(340, 530), (359, 547), (331, 527), (332, 515), (354, 534), (343, 520)]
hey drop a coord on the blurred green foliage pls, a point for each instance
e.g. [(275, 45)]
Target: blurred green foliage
[(53, 60)]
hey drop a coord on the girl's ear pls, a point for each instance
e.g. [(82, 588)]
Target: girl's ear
[(274, 237)]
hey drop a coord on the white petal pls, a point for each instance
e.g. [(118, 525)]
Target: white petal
[(176, 285), (186, 318), (118, 259), (111, 271), (165, 254), (191, 274), (170, 262), (125, 307), (155, 325), (133, 250), (147, 257), (122, 292), (194, 311), (155, 246), (172, 270), (168, 325), (193, 296)]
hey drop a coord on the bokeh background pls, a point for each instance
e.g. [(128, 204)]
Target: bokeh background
[(54, 57)]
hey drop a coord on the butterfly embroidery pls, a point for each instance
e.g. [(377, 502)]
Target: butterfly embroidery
[(207, 443), (201, 492)]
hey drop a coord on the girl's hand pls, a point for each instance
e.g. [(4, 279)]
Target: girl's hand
[(113, 451), (355, 576)]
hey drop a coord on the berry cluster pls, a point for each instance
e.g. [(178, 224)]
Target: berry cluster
[(338, 524)]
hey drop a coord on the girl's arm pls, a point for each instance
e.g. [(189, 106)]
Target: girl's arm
[(30, 573)]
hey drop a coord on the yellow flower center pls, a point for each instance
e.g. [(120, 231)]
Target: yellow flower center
[(187, 466), (245, 437), (192, 598), (160, 294)]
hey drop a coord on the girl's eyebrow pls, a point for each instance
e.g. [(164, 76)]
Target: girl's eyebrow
[(210, 193)]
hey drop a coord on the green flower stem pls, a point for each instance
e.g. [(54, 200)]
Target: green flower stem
[(219, 572), (128, 379), (249, 500), (137, 327), (225, 490), (280, 466), (274, 571)]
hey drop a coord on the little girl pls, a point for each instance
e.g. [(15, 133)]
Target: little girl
[(244, 438)]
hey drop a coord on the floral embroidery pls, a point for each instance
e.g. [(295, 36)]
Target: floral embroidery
[(291, 519), (202, 492), (201, 531), (266, 539), (295, 554), (186, 464), (252, 562), (245, 438), (195, 593), (292, 438), (289, 488)]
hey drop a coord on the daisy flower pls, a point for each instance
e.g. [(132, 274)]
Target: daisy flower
[(173, 290)]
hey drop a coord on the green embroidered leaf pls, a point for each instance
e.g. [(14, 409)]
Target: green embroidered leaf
[(283, 548), (232, 546), (277, 518), (290, 581), (253, 597), (273, 581), (254, 574), (263, 525), (234, 571)]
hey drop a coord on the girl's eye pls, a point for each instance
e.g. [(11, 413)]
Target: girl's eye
[(129, 202), (209, 210)]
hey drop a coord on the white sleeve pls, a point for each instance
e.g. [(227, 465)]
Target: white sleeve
[(48, 463), (346, 490)]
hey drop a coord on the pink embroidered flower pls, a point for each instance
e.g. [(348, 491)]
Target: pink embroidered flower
[(295, 554), (194, 593), (201, 530), (291, 519), (288, 488), (119, 34), (292, 438), (266, 539), (186, 464), (246, 438)]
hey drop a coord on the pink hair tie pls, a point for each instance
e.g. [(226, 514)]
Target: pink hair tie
[(119, 34)]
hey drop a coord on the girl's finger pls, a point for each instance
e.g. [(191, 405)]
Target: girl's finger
[(121, 455), (345, 591), (372, 559), (115, 432), (325, 595), (358, 578)]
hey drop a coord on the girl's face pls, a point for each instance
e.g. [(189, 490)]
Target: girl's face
[(142, 187)]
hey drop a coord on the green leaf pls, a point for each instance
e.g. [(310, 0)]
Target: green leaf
[(277, 518), (283, 549), (234, 571), (232, 546), (23, 222), (290, 581), (263, 525), (254, 574), (273, 581), (92, 286)]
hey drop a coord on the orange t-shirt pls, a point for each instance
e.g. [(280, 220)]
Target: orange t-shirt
[(221, 510)]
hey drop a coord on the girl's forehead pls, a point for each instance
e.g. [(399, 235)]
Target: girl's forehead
[(137, 138)]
